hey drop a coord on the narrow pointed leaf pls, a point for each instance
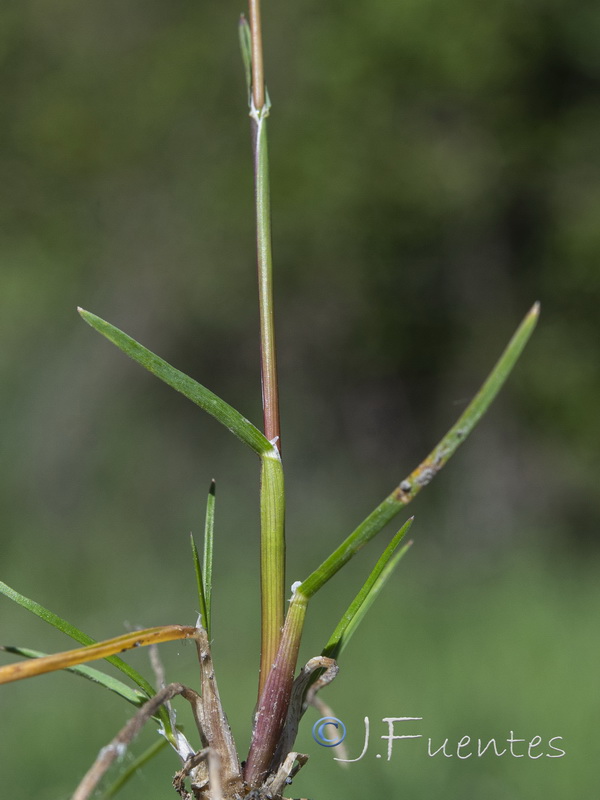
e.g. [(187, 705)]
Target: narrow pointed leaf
[(194, 391), (79, 636), (132, 696), (364, 599), (246, 48), (207, 560), (135, 765), (426, 471), (373, 593), (92, 652), (199, 584)]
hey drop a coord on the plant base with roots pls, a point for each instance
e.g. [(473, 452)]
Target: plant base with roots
[(215, 771)]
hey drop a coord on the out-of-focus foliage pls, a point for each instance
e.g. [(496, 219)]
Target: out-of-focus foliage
[(436, 169)]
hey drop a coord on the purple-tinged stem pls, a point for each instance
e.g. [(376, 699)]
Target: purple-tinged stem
[(275, 698)]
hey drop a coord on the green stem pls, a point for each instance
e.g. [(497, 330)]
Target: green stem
[(270, 392), (272, 493), (272, 561), (275, 699), (252, 51)]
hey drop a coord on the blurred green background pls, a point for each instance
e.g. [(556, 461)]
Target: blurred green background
[(435, 169)]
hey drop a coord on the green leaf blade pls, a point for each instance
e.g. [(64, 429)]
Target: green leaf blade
[(114, 685), (426, 471), (484, 397), (182, 383), (79, 636), (204, 571), (74, 633), (246, 48), (134, 767), (358, 608), (207, 558), (199, 584)]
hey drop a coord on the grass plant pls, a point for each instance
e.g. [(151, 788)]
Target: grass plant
[(213, 770)]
